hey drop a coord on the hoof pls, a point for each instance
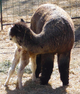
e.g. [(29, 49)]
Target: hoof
[(65, 83), (18, 86), (6, 84)]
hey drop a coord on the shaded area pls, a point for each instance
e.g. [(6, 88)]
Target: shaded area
[(35, 88), (77, 34), (77, 38)]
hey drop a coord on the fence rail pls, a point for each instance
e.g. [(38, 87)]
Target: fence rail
[(1, 14), (14, 10)]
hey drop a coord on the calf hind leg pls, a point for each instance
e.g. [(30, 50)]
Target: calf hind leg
[(63, 64), (24, 62)]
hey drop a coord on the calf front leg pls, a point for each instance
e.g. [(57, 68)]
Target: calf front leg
[(24, 62), (14, 63)]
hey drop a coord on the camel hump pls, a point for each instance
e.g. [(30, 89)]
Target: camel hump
[(46, 13)]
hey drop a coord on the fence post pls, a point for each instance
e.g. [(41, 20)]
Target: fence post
[(1, 14)]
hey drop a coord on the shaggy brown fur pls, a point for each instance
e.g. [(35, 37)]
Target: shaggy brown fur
[(39, 19), (56, 36)]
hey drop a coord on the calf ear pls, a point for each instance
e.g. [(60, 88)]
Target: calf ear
[(22, 20), (17, 26)]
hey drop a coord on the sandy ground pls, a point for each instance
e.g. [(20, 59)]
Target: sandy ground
[(7, 49)]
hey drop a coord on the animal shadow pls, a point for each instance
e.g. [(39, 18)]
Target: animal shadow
[(77, 34), (77, 38), (35, 88)]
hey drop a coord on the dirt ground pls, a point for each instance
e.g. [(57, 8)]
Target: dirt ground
[(7, 49)]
